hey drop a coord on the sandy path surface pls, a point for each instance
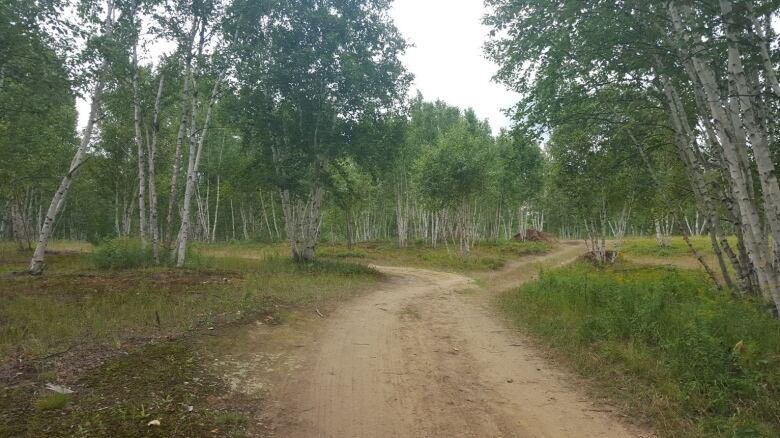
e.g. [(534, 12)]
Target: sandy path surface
[(425, 356)]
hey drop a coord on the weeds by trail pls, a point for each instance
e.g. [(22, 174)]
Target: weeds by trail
[(485, 256), (693, 360)]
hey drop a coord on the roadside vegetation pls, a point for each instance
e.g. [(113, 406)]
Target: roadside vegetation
[(255, 168), (649, 247), (664, 342), (485, 256), (122, 332), (121, 336)]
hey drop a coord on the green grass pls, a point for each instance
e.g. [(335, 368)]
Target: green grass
[(124, 253), (693, 360), (485, 256), (75, 303), (64, 255), (648, 247), (52, 402)]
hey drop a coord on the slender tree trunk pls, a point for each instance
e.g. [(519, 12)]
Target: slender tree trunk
[(189, 187), (273, 219), (763, 45), (233, 219), (192, 169), (37, 262), (117, 228), (265, 216), (243, 221), (350, 232), (139, 143), (177, 156), (216, 208), (153, 222)]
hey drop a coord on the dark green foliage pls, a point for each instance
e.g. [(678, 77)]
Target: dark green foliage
[(304, 89), (704, 363), (122, 253), (455, 168)]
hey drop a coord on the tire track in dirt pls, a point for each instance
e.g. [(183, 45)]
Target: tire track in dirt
[(425, 356)]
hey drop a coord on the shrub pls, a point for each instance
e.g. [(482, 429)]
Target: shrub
[(122, 253), (52, 402)]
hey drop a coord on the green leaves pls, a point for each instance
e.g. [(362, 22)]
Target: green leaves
[(456, 168), (311, 71)]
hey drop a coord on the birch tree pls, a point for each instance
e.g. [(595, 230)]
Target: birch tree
[(36, 129), (307, 86), (709, 63), (58, 200)]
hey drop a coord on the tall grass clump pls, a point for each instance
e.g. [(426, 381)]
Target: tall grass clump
[(694, 360), (122, 253)]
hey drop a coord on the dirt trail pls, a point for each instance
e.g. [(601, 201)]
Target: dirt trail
[(425, 356)]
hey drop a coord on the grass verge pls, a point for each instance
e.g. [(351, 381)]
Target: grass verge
[(122, 339), (692, 360), (485, 256)]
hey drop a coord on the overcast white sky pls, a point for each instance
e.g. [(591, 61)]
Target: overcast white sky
[(447, 58)]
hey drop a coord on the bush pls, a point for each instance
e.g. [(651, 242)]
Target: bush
[(122, 253), (706, 364)]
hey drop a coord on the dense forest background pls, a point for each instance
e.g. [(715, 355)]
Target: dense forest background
[(292, 121)]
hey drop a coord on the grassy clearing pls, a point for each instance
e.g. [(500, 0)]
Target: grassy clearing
[(115, 335), (486, 256), (75, 302), (86, 295), (694, 361), (648, 247), (65, 255)]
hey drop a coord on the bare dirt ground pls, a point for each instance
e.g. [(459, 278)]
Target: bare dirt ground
[(423, 356)]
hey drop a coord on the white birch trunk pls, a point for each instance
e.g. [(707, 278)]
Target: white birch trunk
[(302, 219), (177, 156), (139, 143), (153, 222), (192, 169), (701, 73), (38, 258)]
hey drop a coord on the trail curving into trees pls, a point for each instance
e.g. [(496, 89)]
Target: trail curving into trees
[(425, 356)]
